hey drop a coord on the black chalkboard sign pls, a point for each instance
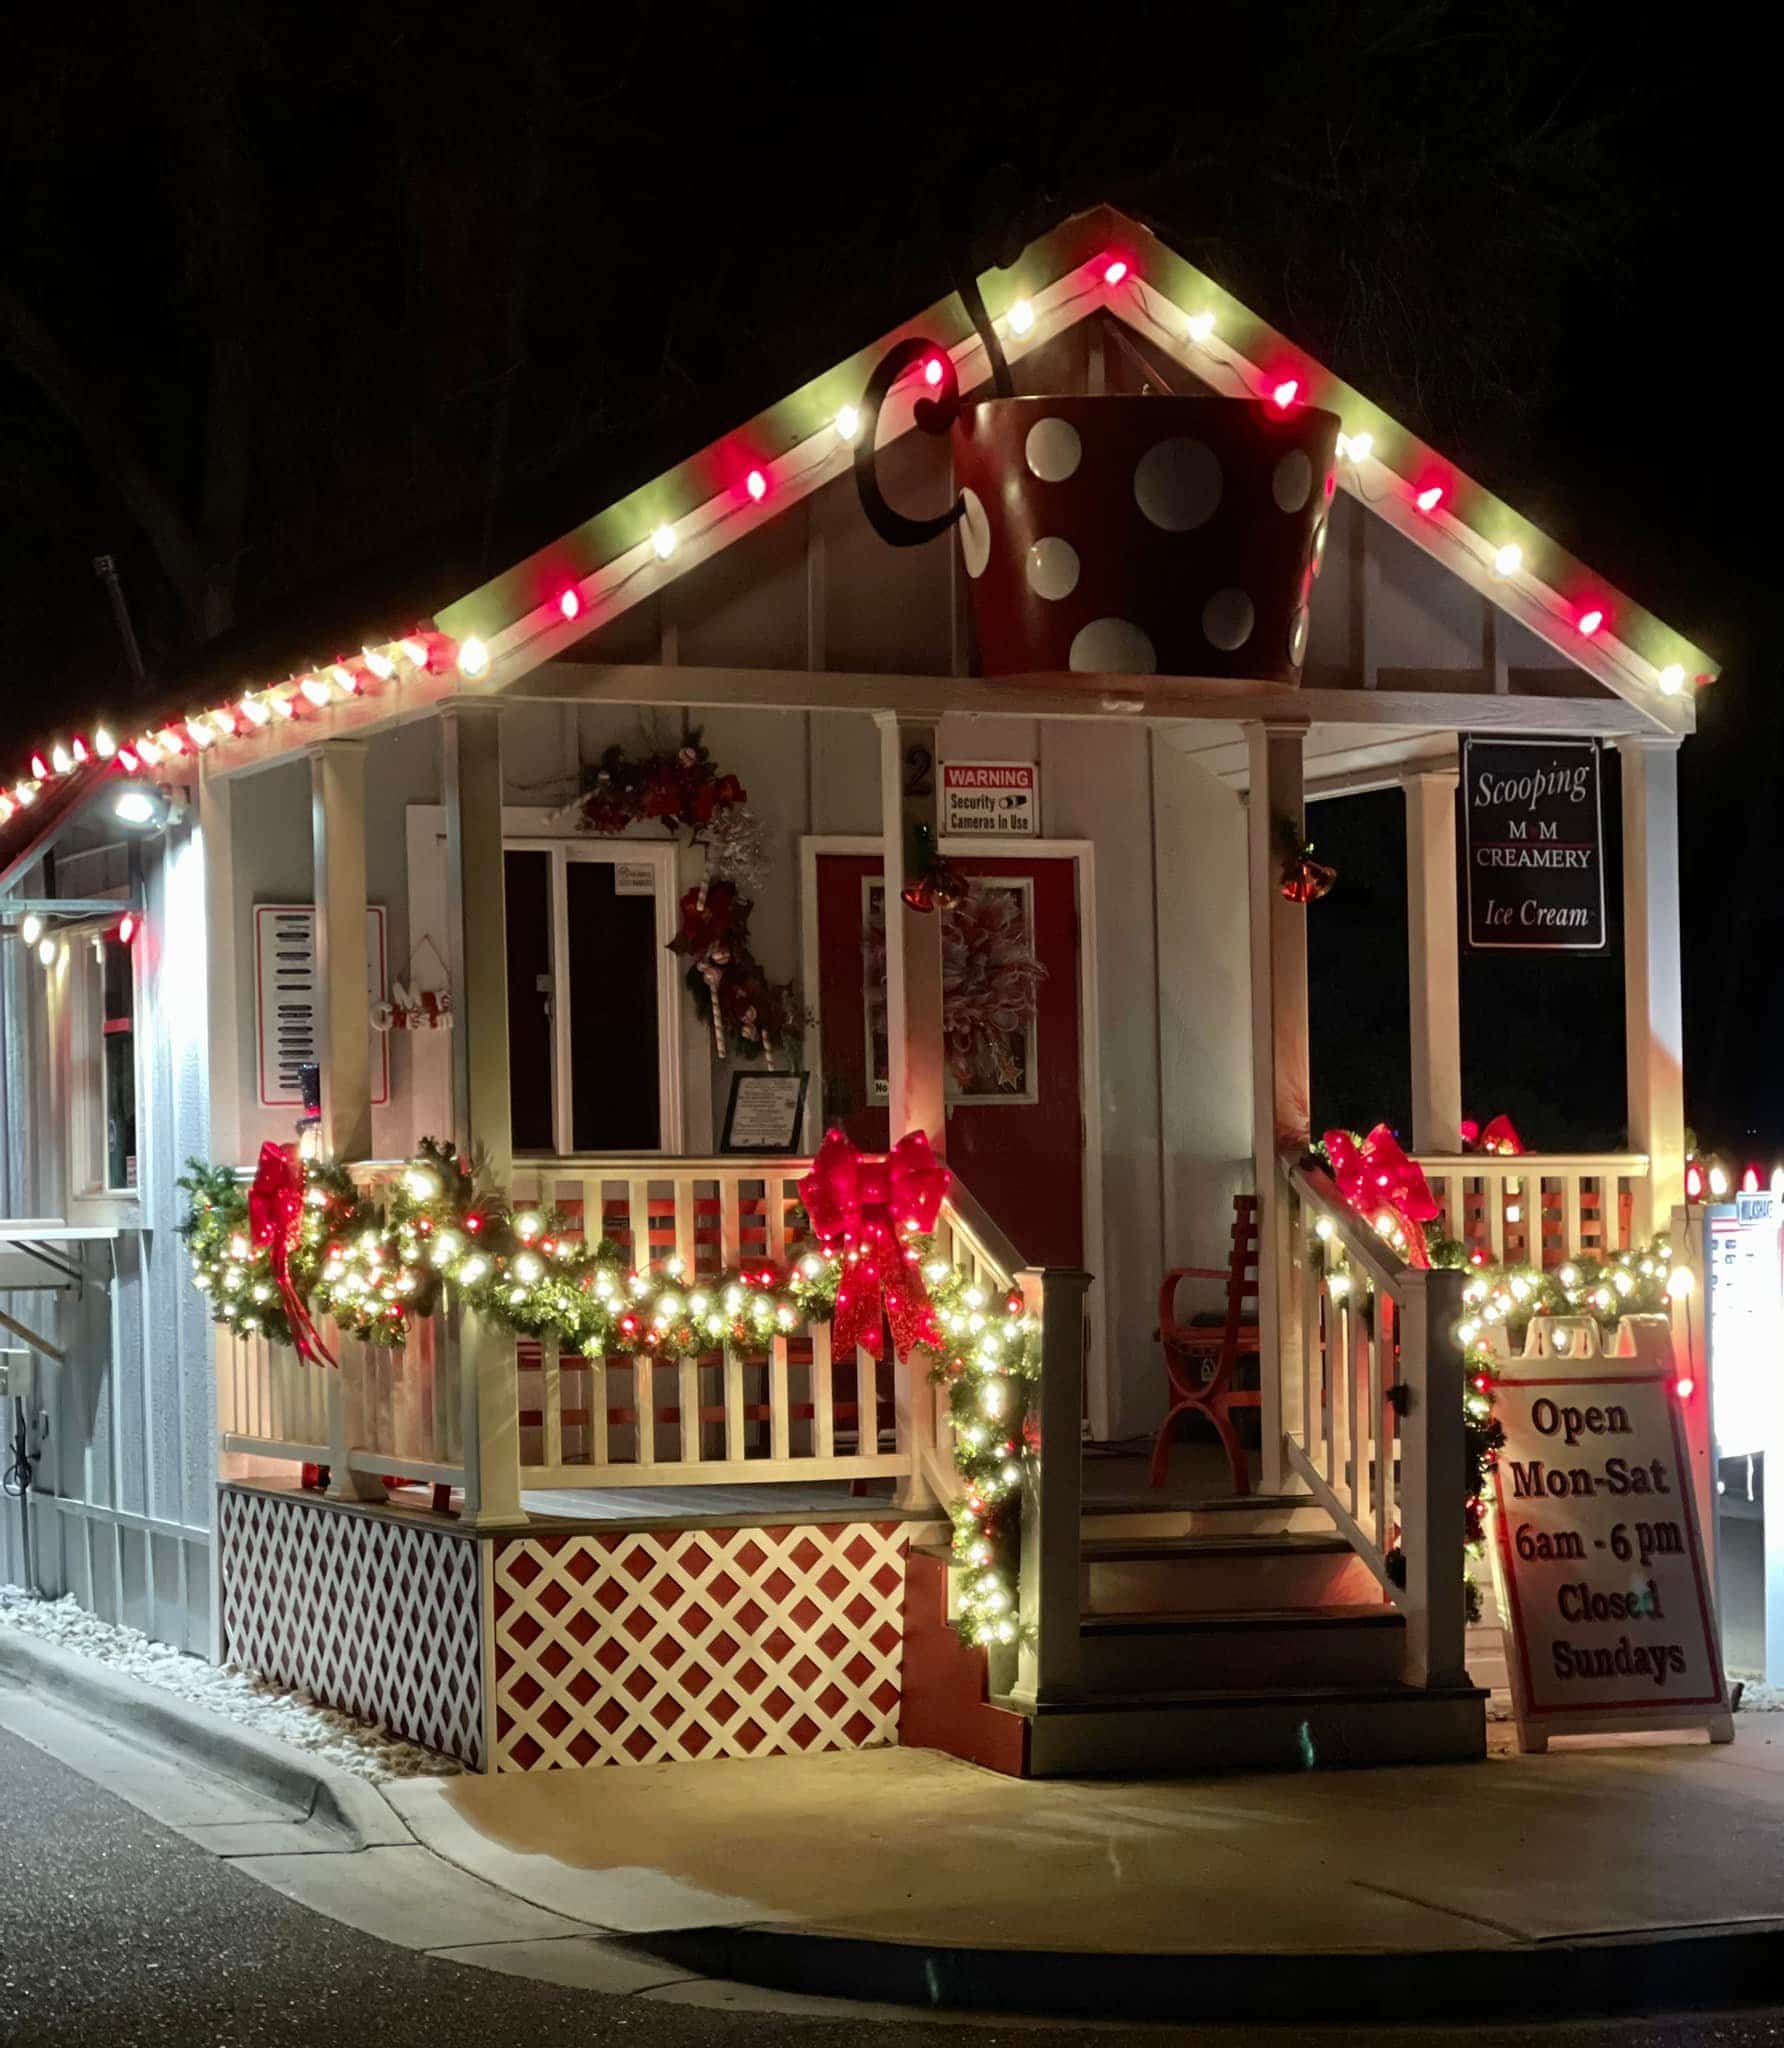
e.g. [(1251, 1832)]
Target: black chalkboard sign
[(1533, 845)]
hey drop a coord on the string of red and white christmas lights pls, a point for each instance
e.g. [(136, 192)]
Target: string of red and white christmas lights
[(750, 487)]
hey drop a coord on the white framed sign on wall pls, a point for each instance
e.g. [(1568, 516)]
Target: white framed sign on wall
[(288, 1024)]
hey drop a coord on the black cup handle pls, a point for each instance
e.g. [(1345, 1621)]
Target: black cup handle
[(934, 415)]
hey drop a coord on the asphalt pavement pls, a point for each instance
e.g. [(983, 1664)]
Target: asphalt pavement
[(115, 1930)]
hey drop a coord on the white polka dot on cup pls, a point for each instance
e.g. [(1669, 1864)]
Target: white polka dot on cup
[(1318, 552), (1293, 480), (1177, 484), (1297, 637), (975, 534), (1113, 647), (1053, 450), (1052, 568), (1227, 619)]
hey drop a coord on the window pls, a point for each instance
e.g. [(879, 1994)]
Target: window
[(117, 1063), (101, 1019), (590, 1016)]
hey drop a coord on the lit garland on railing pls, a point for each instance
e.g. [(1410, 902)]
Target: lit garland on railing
[(374, 1267), (1637, 1280)]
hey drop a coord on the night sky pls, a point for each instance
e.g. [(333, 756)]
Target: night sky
[(302, 317)]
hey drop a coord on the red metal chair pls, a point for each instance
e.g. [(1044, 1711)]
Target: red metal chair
[(1201, 1358)]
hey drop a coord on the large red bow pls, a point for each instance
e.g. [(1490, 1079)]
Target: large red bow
[(275, 1216), (1501, 1135), (867, 1206), (1383, 1186)]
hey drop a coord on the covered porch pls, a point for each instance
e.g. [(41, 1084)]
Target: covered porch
[(560, 1481)]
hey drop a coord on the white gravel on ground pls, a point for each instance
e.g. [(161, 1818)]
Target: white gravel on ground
[(226, 1690)]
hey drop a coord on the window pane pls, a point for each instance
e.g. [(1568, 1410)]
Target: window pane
[(613, 1013), (530, 1063), (117, 983)]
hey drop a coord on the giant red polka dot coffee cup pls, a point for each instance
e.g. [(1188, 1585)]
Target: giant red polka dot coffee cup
[(1133, 536)]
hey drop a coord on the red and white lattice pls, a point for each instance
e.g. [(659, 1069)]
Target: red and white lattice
[(365, 1614), (652, 1646)]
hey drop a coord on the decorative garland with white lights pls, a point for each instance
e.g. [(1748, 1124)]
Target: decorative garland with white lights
[(373, 1267), (1636, 1280)]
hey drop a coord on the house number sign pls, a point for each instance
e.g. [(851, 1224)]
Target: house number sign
[(1533, 845)]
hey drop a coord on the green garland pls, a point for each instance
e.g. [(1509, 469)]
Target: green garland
[(374, 1267), (1636, 1280)]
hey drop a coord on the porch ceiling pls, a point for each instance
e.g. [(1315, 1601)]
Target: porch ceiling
[(1339, 759)]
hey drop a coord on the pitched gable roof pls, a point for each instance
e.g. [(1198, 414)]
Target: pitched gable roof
[(1097, 261)]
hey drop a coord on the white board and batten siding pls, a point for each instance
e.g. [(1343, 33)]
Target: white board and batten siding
[(122, 1519)]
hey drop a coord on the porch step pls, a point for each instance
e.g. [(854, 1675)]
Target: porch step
[(1142, 1518), (1225, 1573), (1152, 1654), (1279, 1728)]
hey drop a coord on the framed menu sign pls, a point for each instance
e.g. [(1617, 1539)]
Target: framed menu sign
[(1533, 845), (764, 1113), (1596, 1547)]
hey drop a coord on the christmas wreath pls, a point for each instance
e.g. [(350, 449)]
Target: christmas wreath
[(681, 789)]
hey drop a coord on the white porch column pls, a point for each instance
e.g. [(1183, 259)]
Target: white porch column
[(1432, 960), (1653, 997), (471, 765), (909, 773), (337, 827), (1279, 1076), (226, 991)]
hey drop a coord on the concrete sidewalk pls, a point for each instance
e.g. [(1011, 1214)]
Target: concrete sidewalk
[(1643, 1875), (1625, 1877)]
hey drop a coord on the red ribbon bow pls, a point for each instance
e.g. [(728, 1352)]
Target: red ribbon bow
[(1380, 1183), (275, 1215), (868, 1205), (1499, 1136)]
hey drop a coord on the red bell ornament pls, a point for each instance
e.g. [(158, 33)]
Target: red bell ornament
[(1304, 879)]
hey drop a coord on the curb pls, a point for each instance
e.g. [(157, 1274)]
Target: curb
[(319, 1791), (1673, 1970)]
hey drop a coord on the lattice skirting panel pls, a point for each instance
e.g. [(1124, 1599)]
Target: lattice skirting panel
[(660, 1645), (366, 1614)]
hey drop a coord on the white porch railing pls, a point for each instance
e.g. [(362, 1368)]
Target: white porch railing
[(1371, 1405), (385, 1412), (784, 1410), (1542, 1208)]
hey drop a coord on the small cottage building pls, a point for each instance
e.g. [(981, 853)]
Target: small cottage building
[(1054, 918)]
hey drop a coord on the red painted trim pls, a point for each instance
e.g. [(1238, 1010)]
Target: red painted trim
[(942, 1703)]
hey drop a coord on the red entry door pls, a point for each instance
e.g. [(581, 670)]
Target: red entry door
[(1015, 1107)]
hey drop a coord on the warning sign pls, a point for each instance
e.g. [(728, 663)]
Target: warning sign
[(990, 800)]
